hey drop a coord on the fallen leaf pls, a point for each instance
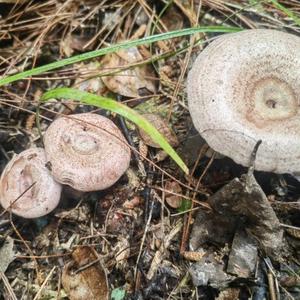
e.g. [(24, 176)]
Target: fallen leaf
[(122, 251), (7, 254), (229, 294), (174, 201), (173, 19), (90, 81), (132, 82), (84, 278), (164, 129)]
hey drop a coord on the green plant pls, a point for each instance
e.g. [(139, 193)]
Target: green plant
[(110, 104)]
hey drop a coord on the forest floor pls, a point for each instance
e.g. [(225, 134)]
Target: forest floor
[(157, 233)]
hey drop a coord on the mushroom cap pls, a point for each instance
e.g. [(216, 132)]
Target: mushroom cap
[(245, 87), (86, 151), (27, 187)]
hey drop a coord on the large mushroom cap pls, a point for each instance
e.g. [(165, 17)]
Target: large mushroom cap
[(27, 187), (245, 87), (86, 151)]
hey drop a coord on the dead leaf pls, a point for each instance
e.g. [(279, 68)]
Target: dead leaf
[(7, 254), (132, 203), (84, 278), (229, 294), (132, 82), (122, 251), (162, 126), (245, 198), (173, 200), (92, 84), (173, 19)]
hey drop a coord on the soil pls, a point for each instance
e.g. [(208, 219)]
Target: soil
[(138, 239)]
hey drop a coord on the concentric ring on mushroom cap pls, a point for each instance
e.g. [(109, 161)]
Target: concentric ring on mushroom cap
[(245, 87), (27, 187), (86, 151)]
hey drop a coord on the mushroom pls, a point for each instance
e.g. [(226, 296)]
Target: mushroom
[(245, 87), (27, 187), (86, 151)]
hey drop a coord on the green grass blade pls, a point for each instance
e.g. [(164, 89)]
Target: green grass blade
[(114, 48), (121, 109), (286, 11)]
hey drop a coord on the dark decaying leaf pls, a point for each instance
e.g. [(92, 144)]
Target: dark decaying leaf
[(244, 198), (241, 202), (84, 277)]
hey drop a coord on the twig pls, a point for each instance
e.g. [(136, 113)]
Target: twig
[(37, 296), (8, 286), (143, 239)]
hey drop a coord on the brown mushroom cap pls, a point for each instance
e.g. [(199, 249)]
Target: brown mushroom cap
[(245, 87), (27, 187), (86, 151)]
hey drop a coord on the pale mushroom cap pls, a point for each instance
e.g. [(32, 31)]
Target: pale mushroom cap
[(245, 87), (86, 151), (27, 175)]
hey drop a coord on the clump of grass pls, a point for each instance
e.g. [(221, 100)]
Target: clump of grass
[(110, 104)]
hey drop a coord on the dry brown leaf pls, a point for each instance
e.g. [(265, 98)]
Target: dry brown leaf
[(194, 255), (162, 126), (131, 82), (73, 42), (173, 200), (229, 294), (84, 277), (92, 84), (173, 19)]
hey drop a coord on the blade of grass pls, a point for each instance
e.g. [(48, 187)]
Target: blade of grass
[(121, 109), (114, 48), (286, 11)]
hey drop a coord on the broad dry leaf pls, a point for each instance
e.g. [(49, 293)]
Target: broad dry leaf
[(172, 199), (89, 81), (162, 126), (132, 82), (84, 278), (173, 19)]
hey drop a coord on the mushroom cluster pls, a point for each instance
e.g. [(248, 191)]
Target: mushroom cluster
[(85, 151), (245, 87)]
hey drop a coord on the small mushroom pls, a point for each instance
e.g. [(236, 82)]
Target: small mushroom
[(86, 151), (245, 87), (27, 187)]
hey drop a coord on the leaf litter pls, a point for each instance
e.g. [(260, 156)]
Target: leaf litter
[(129, 239)]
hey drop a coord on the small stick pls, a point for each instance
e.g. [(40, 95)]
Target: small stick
[(253, 157)]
